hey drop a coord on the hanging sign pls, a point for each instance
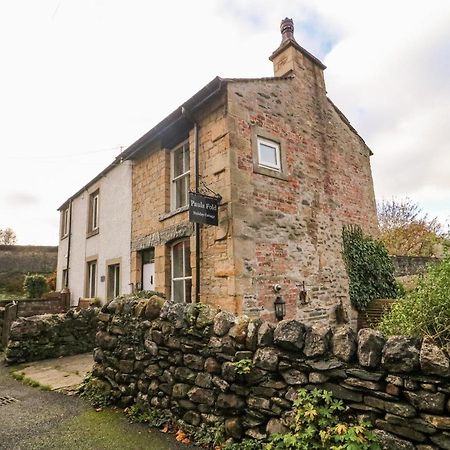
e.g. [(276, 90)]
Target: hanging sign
[(203, 209)]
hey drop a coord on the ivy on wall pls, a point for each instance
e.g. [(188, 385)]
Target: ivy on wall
[(369, 268)]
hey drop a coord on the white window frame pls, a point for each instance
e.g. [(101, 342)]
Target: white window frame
[(91, 290), (184, 278), (186, 174), (115, 291), (94, 211), (276, 147), (64, 222)]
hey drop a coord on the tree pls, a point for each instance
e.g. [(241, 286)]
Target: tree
[(7, 236), (406, 230)]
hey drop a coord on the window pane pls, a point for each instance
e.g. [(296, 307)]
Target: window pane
[(177, 260), (178, 162), (187, 259), (181, 192), (188, 289), (186, 157), (178, 291), (268, 155)]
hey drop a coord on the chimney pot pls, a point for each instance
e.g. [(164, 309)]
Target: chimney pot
[(287, 30)]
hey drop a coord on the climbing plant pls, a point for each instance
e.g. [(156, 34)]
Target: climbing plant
[(369, 268)]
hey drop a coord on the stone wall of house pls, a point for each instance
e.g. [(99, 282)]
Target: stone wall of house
[(182, 358), (287, 228), (155, 225), (52, 335)]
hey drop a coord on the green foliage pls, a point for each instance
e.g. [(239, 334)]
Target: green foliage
[(424, 311), (96, 391), (210, 436), (152, 416), (245, 444), (316, 425), (35, 286), (369, 268), (243, 366)]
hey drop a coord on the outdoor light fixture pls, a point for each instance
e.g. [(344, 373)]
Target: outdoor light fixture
[(280, 307)]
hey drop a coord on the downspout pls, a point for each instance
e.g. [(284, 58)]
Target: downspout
[(189, 116), (69, 238), (197, 225)]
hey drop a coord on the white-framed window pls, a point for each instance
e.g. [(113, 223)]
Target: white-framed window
[(64, 281), (269, 154), (113, 281), (64, 222), (94, 200), (180, 176), (181, 271), (91, 284)]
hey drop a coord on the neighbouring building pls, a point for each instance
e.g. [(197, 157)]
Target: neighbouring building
[(95, 231), (290, 170)]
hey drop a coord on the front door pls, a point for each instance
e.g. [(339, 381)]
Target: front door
[(148, 269), (148, 276)]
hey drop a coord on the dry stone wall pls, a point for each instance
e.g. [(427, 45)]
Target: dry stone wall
[(52, 335), (184, 358)]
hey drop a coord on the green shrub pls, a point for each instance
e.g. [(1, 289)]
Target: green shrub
[(369, 267), (152, 416), (243, 366), (317, 425), (35, 286), (245, 444), (424, 311), (96, 391)]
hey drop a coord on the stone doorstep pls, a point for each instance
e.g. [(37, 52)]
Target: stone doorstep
[(64, 373)]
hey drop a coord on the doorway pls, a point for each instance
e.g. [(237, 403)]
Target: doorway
[(148, 269)]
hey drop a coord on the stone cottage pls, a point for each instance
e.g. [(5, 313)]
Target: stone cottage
[(290, 171)]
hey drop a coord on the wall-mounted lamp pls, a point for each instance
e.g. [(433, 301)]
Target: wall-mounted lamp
[(279, 304), (280, 307)]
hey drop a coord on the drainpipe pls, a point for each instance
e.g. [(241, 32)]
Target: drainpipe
[(188, 115), (69, 238)]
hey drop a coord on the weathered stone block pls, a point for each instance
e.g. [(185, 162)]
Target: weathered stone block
[(290, 335), (433, 360), (317, 341), (266, 358), (400, 354), (370, 346), (223, 321), (427, 401)]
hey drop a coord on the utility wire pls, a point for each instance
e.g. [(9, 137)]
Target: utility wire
[(62, 156)]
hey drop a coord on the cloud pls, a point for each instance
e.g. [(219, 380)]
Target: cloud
[(20, 199)]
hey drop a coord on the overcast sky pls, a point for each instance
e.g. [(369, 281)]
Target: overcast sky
[(81, 79)]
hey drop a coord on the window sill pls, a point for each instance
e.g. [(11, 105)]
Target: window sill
[(269, 172), (169, 214), (92, 233)]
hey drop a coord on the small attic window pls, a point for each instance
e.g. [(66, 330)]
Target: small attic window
[(269, 154)]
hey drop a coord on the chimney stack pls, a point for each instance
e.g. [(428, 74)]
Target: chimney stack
[(289, 57)]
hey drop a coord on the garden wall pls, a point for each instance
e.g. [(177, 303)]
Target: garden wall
[(52, 335), (189, 359)]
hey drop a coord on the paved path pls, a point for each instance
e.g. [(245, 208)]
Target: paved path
[(34, 419), (64, 374)]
